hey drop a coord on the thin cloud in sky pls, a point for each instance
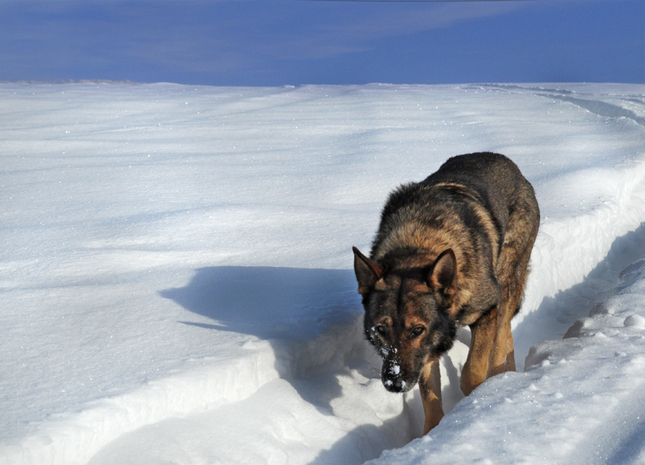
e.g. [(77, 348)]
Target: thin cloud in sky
[(347, 34), (225, 35), (294, 32)]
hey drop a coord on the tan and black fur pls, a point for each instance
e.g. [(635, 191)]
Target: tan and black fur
[(452, 250)]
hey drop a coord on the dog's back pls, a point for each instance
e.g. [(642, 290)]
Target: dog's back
[(474, 204), (498, 181), (491, 179)]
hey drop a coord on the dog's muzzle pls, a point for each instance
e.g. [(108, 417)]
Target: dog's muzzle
[(395, 385), (392, 377)]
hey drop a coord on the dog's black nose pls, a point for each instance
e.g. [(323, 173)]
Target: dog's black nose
[(395, 384)]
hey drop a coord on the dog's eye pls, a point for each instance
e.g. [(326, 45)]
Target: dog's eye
[(382, 330), (416, 332)]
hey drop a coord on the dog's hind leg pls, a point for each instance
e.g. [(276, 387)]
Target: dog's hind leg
[(475, 370), (430, 388), (502, 356), (512, 273), (491, 348), (512, 280)]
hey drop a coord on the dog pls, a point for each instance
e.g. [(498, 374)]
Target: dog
[(450, 251)]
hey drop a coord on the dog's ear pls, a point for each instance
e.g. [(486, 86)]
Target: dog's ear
[(443, 274), (367, 272)]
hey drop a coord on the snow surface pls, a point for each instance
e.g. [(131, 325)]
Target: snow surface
[(176, 283)]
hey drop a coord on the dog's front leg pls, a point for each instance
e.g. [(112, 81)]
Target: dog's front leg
[(430, 388)]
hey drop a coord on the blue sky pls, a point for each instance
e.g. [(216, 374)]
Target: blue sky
[(294, 42)]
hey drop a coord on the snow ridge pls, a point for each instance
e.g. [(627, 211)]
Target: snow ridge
[(215, 382)]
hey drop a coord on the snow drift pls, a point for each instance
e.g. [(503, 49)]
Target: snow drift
[(176, 282)]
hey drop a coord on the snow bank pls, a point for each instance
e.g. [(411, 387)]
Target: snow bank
[(178, 289), (572, 262), (579, 402)]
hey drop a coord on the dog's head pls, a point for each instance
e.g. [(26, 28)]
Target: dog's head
[(409, 314)]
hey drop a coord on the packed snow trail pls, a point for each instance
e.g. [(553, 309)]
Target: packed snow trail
[(178, 284)]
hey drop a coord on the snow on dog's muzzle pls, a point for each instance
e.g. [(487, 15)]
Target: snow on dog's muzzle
[(392, 377)]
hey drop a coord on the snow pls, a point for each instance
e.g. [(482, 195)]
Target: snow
[(176, 283)]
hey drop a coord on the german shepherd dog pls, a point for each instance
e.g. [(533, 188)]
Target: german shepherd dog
[(452, 250)]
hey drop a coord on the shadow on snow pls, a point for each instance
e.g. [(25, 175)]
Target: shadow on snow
[(291, 307), (556, 314), (270, 303)]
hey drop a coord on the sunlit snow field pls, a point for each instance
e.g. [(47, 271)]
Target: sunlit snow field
[(176, 282)]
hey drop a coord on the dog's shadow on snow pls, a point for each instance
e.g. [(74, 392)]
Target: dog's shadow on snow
[(269, 303), (289, 307)]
